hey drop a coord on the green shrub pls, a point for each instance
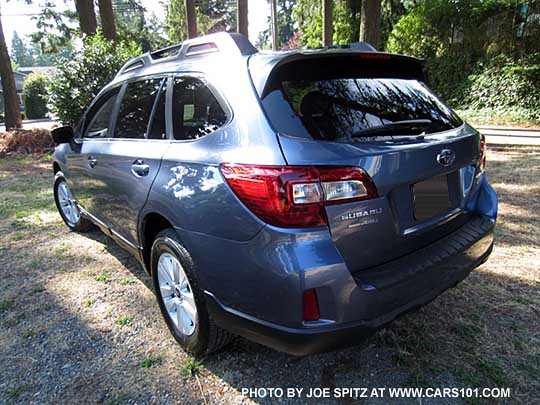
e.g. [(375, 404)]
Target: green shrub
[(80, 78), (504, 84), (500, 86), (35, 95), (449, 76), (472, 67), (414, 35)]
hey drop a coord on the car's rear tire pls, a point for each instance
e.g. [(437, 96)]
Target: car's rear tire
[(67, 207), (180, 298)]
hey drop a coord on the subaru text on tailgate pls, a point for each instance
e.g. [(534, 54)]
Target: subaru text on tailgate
[(301, 199)]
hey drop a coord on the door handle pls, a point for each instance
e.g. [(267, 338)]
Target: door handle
[(92, 162), (139, 168)]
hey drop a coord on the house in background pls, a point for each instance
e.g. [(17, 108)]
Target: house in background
[(20, 76), (47, 70), (19, 81)]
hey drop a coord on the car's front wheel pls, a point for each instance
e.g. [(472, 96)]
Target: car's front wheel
[(180, 299), (67, 207)]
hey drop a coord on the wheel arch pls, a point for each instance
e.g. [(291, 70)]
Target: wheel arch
[(56, 167), (151, 224)]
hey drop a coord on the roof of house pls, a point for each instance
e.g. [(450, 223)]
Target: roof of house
[(48, 70)]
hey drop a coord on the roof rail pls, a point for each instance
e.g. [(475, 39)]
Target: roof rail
[(135, 63), (227, 43), (165, 52)]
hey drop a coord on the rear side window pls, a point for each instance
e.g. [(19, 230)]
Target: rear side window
[(136, 107), (348, 109), (196, 112), (99, 116)]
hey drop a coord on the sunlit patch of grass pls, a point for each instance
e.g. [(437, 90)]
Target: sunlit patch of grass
[(62, 250), (103, 277), (22, 214), (152, 361), (88, 302), (28, 192), (127, 281), (16, 236), (190, 368), (124, 320), (16, 161)]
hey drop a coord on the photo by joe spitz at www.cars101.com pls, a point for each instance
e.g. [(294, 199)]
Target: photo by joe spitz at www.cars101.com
[(301, 199)]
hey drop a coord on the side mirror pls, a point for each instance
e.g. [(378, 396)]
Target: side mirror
[(62, 135)]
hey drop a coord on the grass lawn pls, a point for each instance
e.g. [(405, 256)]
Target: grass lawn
[(79, 322)]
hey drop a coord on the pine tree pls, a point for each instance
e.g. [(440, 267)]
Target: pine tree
[(20, 52)]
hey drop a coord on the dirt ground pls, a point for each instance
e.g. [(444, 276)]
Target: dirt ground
[(79, 322)]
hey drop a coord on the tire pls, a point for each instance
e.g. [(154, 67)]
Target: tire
[(68, 209), (200, 336)]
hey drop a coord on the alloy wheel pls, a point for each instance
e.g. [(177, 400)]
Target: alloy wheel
[(177, 294), (67, 204)]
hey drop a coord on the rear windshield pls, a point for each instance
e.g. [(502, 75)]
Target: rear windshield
[(355, 109)]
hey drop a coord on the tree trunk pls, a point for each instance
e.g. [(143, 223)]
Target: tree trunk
[(87, 16), (370, 22), (242, 10), (191, 18), (328, 28), (11, 101), (274, 24), (107, 19)]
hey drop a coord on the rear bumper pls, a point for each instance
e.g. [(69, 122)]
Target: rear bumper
[(386, 291)]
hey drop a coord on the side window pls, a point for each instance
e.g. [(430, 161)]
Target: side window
[(195, 110), (99, 117), (135, 108)]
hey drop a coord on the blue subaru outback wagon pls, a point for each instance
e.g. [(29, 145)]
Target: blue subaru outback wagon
[(301, 199)]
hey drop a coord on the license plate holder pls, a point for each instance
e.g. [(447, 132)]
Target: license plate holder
[(431, 197)]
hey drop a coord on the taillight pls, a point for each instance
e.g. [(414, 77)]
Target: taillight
[(483, 158), (295, 196), (311, 306)]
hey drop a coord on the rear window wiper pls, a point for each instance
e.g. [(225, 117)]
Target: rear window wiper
[(406, 127)]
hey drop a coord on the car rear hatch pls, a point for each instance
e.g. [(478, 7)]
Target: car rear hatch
[(374, 111)]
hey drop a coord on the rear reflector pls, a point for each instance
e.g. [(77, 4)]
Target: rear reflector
[(311, 306), (295, 196)]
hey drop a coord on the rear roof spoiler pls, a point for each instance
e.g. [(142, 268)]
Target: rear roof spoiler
[(357, 46), (265, 68)]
